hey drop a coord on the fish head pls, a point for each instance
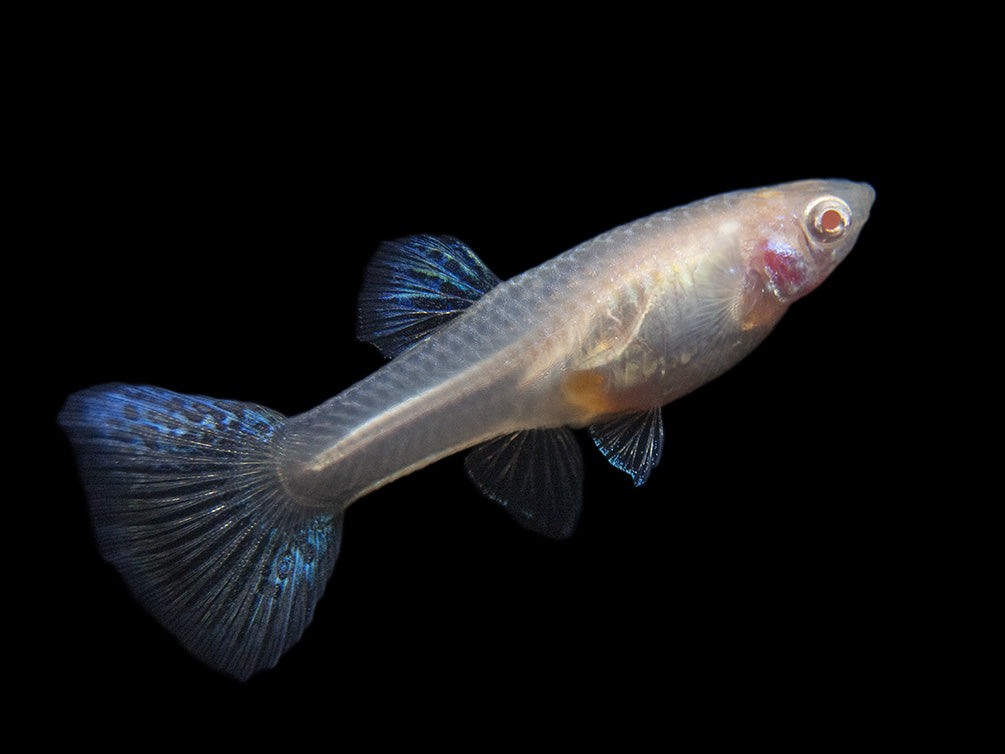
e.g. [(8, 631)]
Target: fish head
[(801, 233)]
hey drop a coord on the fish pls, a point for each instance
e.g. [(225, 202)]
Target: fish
[(224, 517)]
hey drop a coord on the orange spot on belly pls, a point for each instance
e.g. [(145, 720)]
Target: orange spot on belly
[(589, 391)]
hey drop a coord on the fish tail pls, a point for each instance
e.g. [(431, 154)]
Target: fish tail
[(187, 503)]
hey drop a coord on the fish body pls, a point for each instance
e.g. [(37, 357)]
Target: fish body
[(626, 322), (225, 517)]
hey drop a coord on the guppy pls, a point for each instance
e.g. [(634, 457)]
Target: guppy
[(225, 518)]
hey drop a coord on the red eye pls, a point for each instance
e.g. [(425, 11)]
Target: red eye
[(831, 220), (828, 218)]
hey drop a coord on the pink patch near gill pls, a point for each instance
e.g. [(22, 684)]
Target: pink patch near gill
[(786, 268)]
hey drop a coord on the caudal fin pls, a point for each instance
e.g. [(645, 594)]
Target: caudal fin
[(187, 503)]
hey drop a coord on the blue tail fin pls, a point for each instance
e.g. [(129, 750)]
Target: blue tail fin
[(187, 504)]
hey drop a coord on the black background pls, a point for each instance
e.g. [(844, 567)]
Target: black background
[(206, 227)]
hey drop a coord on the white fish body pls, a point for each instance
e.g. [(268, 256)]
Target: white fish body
[(601, 336)]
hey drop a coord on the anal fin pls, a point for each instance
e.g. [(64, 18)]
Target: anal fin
[(536, 474)]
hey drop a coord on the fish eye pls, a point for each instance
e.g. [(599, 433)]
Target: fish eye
[(828, 218)]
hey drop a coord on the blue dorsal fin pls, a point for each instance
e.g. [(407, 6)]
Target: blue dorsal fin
[(632, 443), (414, 285), (537, 475)]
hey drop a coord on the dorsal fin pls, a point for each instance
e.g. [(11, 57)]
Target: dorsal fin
[(632, 443), (536, 474), (415, 284)]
